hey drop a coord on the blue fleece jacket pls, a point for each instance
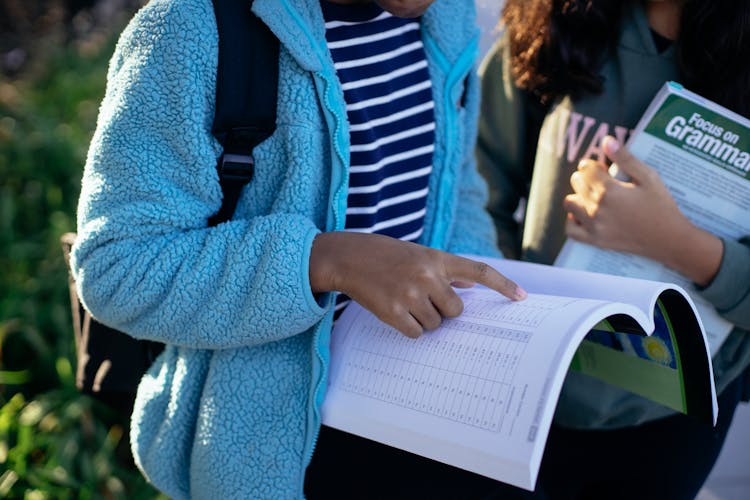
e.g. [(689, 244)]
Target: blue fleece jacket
[(231, 408)]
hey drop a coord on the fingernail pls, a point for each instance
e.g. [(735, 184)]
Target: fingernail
[(611, 145), (520, 293)]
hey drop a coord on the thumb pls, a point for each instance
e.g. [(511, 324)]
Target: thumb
[(628, 166)]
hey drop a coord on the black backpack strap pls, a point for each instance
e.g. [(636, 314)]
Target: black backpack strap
[(111, 363), (246, 92)]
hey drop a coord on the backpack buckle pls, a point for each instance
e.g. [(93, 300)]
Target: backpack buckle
[(236, 167)]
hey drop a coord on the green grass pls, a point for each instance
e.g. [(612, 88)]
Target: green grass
[(54, 441)]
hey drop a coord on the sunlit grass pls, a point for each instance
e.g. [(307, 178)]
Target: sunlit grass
[(54, 441)]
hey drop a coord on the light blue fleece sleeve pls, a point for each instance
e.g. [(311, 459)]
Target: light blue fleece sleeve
[(473, 231), (144, 261)]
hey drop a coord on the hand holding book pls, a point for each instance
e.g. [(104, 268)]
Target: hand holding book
[(634, 212)]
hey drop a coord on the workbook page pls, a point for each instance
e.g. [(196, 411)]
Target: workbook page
[(477, 393)]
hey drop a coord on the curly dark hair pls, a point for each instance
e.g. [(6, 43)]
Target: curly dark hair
[(558, 46)]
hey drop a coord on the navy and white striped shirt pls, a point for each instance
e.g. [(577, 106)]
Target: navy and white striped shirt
[(381, 64)]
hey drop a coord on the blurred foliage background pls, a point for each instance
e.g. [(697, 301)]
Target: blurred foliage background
[(54, 441)]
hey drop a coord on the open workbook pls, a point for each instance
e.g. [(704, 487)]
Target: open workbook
[(480, 391)]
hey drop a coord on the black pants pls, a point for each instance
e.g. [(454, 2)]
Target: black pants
[(349, 467), (666, 459)]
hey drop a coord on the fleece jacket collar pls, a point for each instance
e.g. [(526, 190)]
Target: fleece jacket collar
[(300, 27)]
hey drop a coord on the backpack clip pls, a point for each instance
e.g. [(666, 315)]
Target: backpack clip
[(235, 172), (236, 167)]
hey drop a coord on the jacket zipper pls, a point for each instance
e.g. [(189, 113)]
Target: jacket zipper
[(455, 75), (335, 221)]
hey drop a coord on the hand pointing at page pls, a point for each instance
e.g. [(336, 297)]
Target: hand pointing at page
[(404, 284)]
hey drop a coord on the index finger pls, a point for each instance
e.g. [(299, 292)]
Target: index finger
[(463, 269)]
